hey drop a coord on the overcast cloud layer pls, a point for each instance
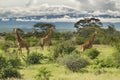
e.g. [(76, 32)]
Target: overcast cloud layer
[(33, 7)]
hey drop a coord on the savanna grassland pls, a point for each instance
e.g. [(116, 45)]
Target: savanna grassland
[(63, 60), (60, 72)]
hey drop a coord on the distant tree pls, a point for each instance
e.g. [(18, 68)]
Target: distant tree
[(112, 36), (111, 29), (88, 22), (9, 36), (42, 27)]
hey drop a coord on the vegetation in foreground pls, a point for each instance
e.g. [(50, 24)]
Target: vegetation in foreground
[(64, 59)]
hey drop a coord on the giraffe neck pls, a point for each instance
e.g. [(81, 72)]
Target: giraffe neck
[(49, 33), (92, 38), (18, 37)]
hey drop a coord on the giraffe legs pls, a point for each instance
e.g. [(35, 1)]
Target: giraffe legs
[(27, 48), (49, 44), (42, 41), (84, 47), (42, 46), (19, 51)]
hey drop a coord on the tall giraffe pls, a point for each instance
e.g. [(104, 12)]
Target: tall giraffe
[(47, 38), (89, 43), (21, 42)]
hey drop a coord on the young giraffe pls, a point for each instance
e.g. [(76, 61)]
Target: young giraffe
[(47, 38), (89, 43), (21, 43)]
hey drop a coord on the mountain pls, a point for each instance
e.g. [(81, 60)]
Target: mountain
[(49, 13), (38, 10)]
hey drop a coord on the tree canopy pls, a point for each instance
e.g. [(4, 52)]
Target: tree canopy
[(43, 26), (88, 22)]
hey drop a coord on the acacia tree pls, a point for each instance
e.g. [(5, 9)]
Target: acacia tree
[(87, 22), (41, 27), (87, 26)]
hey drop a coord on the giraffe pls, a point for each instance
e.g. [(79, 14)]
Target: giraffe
[(89, 43), (21, 42), (47, 38)]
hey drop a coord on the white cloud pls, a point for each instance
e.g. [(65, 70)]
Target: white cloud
[(44, 9), (13, 3), (65, 19), (40, 7), (31, 2), (101, 5)]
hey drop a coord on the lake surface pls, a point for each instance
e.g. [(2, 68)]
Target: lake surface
[(6, 26)]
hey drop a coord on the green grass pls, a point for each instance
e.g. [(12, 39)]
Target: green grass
[(105, 50), (60, 72)]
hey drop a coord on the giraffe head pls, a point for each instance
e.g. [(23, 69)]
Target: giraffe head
[(52, 28), (95, 32), (15, 29)]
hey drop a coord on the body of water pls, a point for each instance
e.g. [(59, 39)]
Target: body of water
[(7, 26)]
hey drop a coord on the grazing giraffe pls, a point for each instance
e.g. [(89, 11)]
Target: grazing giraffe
[(47, 38), (89, 43), (21, 42)]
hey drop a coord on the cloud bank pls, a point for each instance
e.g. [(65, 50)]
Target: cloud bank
[(98, 7), (17, 8)]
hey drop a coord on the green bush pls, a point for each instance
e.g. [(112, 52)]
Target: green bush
[(92, 53), (15, 62), (79, 40), (10, 72), (106, 63), (4, 46), (43, 74), (109, 62), (7, 70), (3, 62), (64, 48), (116, 56), (33, 58), (74, 62)]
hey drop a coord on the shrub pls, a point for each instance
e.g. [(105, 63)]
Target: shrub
[(33, 58), (10, 72), (92, 53), (7, 70), (43, 74), (74, 62), (4, 46), (116, 56), (3, 62), (106, 63), (79, 40), (15, 62), (109, 62), (63, 48)]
